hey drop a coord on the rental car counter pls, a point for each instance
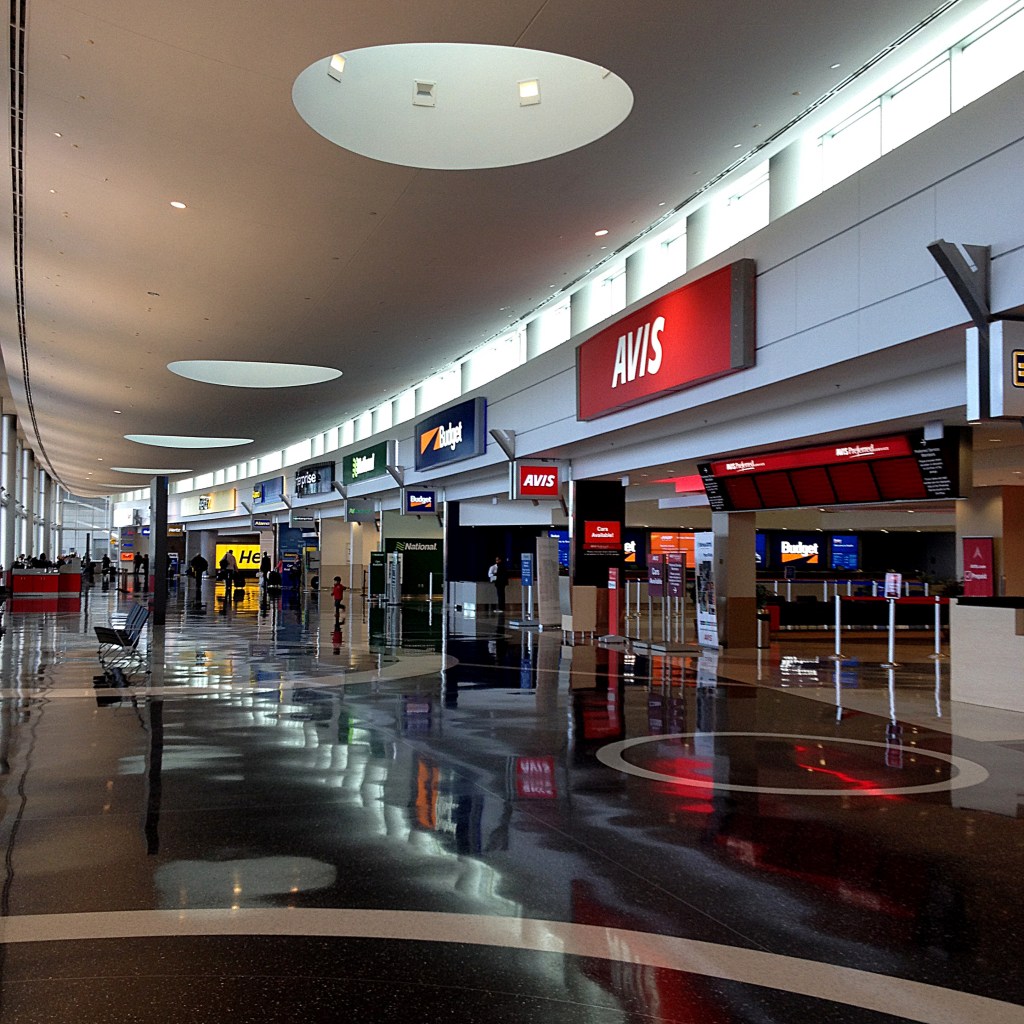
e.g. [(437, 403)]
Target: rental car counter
[(44, 589)]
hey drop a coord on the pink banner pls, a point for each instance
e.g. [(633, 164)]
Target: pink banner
[(979, 567)]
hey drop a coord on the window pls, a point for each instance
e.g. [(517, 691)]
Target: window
[(916, 104), (743, 211), (300, 452), (852, 145), (440, 389), (492, 360), (673, 258), (612, 296), (988, 58)]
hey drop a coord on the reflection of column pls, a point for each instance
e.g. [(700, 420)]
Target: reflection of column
[(735, 578)]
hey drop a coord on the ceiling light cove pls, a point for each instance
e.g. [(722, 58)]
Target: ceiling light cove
[(186, 441), (238, 373), (459, 106), (143, 471)]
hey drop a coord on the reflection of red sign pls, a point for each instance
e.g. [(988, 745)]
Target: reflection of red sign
[(602, 534), (535, 778), (538, 481), (979, 574), (698, 332)]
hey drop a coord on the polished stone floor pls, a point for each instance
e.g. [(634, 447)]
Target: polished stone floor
[(388, 821)]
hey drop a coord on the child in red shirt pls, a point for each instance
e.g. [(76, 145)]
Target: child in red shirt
[(338, 593)]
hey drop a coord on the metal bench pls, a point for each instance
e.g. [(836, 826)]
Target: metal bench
[(119, 646)]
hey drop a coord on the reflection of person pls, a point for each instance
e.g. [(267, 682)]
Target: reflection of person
[(336, 638), (498, 575)]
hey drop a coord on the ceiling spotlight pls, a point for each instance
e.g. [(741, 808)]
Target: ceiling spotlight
[(177, 205), (529, 93), (58, 135), (423, 94), (601, 233), (834, 66), (336, 67)]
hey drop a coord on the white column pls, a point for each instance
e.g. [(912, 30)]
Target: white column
[(698, 237), (794, 176)]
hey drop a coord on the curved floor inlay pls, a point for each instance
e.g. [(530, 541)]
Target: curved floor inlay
[(897, 997), (969, 773)]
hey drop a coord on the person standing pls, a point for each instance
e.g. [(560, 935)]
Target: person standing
[(265, 570), (338, 593), (229, 566), (137, 564), (498, 575)]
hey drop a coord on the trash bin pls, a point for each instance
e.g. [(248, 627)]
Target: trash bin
[(763, 630)]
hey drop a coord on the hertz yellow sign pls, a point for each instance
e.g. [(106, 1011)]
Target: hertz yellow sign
[(247, 555)]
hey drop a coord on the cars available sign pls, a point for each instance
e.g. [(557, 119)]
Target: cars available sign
[(602, 534), (696, 333)]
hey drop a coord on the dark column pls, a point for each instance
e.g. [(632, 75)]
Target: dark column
[(158, 546)]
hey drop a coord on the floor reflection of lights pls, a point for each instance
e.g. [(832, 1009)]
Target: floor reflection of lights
[(885, 994), (968, 773)]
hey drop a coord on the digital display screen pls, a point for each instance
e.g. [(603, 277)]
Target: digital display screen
[(562, 536), (845, 552), (899, 468), (761, 550)]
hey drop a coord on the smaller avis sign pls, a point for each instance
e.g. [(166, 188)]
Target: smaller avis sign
[(535, 480)]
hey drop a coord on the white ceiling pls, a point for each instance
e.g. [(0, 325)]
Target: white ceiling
[(293, 249)]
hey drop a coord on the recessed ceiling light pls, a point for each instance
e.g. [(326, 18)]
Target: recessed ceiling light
[(336, 67), (834, 66), (177, 205), (117, 412), (237, 373), (472, 123), (186, 440), (144, 471), (529, 92), (57, 135), (601, 233), (738, 145)]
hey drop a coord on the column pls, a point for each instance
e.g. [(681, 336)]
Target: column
[(158, 546), (640, 274), (581, 308), (996, 512), (698, 237), (8, 480), (791, 177), (27, 492), (735, 578)]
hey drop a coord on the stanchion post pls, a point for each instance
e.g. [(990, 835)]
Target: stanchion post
[(891, 663), (837, 654), (937, 654)]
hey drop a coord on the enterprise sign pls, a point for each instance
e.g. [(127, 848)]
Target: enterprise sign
[(314, 479), (451, 435)]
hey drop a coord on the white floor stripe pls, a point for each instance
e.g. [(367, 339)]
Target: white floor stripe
[(968, 773), (899, 997)]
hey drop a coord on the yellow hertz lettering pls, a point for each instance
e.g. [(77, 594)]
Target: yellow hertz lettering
[(442, 437), (638, 352)]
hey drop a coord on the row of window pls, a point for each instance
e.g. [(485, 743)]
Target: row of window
[(992, 54)]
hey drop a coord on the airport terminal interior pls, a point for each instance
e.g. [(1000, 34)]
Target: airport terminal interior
[(511, 510)]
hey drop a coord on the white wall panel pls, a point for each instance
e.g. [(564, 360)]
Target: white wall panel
[(826, 281), (894, 253)]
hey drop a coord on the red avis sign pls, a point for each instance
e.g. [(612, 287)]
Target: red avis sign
[(602, 534), (694, 334), (537, 481)]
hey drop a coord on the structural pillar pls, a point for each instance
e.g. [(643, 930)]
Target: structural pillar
[(735, 577), (698, 237), (8, 480), (27, 493), (158, 546)]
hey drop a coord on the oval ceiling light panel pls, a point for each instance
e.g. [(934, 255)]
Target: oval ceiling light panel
[(186, 441), (237, 373), (141, 471), (460, 106)]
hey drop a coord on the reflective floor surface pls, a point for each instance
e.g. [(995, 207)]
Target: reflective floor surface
[(292, 820)]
